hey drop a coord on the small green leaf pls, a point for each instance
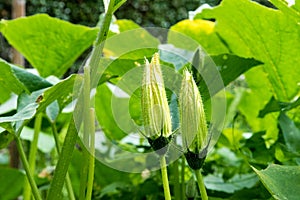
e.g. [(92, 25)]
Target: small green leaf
[(5, 139), (104, 113), (291, 133), (8, 127), (292, 11), (256, 151), (238, 182), (8, 81), (52, 111), (232, 66), (26, 113), (114, 188), (17, 80), (49, 44), (274, 106), (12, 182), (31, 81), (281, 181)]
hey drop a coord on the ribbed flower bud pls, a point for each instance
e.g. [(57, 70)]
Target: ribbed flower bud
[(155, 109), (193, 122)]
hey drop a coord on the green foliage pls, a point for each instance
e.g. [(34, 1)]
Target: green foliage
[(281, 181), (255, 55), (261, 41), (53, 45), (231, 185), (11, 177)]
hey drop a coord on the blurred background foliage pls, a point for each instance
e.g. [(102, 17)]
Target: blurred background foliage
[(157, 13), (144, 12), (237, 146), (154, 13)]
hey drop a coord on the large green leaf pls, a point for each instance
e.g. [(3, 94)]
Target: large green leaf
[(275, 42), (31, 81), (17, 80), (12, 182), (49, 44), (8, 81), (281, 181)]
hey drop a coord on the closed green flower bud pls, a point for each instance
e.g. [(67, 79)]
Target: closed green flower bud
[(193, 122), (155, 108)]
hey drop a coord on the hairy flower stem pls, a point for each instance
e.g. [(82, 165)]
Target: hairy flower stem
[(58, 149), (182, 178), (91, 156), (176, 180), (164, 175), (90, 70), (30, 178), (32, 154), (201, 185), (63, 163)]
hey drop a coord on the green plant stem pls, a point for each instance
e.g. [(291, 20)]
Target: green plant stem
[(86, 132), (164, 175), (18, 133), (182, 177), (99, 44), (32, 154), (201, 185), (83, 173), (30, 178), (90, 70), (63, 163), (91, 156), (177, 191), (58, 149)]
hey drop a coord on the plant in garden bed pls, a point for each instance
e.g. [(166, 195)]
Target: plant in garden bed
[(262, 116)]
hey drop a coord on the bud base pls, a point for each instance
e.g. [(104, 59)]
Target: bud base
[(196, 160), (160, 144)]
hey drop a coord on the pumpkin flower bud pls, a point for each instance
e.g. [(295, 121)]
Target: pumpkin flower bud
[(155, 109), (193, 122)]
